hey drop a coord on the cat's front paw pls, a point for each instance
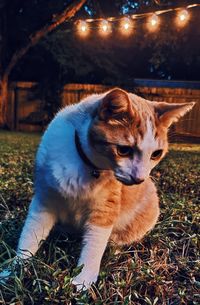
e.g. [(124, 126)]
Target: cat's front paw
[(5, 275), (85, 279), (12, 269)]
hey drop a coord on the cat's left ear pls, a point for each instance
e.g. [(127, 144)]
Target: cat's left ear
[(170, 113)]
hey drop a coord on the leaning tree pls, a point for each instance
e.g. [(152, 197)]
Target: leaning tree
[(32, 40)]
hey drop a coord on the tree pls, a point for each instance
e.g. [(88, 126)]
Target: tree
[(33, 39)]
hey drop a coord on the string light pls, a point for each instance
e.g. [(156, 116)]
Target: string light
[(182, 17), (126, 23), (153, 22), (104, 27), (83, 28)]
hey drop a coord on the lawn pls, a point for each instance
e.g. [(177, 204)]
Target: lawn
[(162, 269)]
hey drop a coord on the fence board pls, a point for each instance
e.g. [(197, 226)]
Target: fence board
[(24, 105)]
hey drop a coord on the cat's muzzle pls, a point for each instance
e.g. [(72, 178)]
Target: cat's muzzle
[(128, 180)]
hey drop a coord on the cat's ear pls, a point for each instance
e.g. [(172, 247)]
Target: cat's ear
[(115, 105), (170, 113)]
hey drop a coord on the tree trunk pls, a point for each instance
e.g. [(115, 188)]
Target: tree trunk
[(57, 19), (4, 102)]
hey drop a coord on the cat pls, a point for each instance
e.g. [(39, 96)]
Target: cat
[(92, 173)]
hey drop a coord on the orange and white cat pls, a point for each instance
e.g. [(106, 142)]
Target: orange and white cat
[(92, 173)]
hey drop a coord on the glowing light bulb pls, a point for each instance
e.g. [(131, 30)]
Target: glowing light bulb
[(104, 27), (126, 25), (154, 20), (83, 27), (182, 17)]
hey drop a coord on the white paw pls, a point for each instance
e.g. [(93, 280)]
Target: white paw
[(10, 271), (5, 275), (85, 279)]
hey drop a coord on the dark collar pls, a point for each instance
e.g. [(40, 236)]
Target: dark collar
[(95, 172)]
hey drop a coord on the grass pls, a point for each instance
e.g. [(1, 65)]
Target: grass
[(162, 269)]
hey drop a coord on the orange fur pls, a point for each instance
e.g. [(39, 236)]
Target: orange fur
[(132, 210)]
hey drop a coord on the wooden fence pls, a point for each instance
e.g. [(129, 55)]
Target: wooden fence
[(27, 114)]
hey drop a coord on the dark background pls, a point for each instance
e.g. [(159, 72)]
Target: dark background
[(62, 56)]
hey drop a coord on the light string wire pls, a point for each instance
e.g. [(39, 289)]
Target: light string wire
[(142, 15), (83, 26)]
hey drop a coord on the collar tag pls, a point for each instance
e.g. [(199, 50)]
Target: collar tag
[(95, 173)]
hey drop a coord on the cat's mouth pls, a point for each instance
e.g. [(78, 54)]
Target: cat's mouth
[(128, 180)]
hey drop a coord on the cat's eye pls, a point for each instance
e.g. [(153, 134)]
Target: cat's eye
[(156, 154), (124, 151)]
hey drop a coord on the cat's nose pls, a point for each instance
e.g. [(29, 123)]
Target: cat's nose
[(136, 180)]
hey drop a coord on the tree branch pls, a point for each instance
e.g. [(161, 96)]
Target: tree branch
[(57, 19)]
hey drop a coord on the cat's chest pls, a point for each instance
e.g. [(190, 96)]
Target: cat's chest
[(81, 185), (75, 180), (74, 211)]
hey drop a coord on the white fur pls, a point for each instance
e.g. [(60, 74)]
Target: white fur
[(95, 241), (149, 143), (59, 167), (5, 275), (58, 151), (147, 146), (36, 228), (131, 140)]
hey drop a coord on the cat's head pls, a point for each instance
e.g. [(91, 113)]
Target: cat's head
[(129, 134)]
